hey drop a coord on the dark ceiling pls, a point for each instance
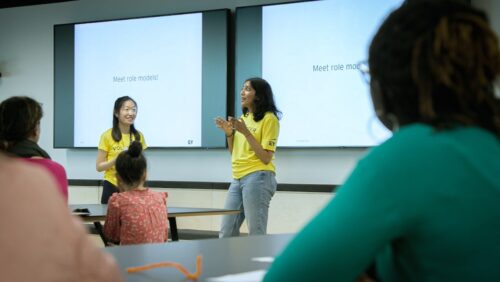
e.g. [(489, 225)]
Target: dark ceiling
[(19, 3)]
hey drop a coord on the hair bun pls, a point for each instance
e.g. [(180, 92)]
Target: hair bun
[(135, 149)]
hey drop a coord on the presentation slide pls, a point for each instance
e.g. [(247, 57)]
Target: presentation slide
[(310, 55), (157, 61)]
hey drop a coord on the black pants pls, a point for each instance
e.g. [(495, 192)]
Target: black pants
[(107, 190)]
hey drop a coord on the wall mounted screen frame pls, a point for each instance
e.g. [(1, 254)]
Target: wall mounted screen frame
[(132, 69)]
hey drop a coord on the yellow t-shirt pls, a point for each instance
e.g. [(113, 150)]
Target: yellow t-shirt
[(113, 148), (265, 131)]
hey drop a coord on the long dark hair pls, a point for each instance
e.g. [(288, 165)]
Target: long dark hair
[(264, 99), (19, 118), (115, 132), (436, 62), (131, 165)]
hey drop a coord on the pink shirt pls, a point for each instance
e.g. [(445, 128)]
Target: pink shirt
[(136, 217), (56, 170)]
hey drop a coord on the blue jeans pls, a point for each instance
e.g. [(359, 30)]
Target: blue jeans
[(252, 194)]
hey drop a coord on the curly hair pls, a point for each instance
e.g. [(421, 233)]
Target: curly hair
[(436, 62)]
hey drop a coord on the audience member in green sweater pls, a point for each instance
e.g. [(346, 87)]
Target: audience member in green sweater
[(425, 204)]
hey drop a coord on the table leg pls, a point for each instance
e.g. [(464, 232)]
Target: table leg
[(98, 227), (173, 229)]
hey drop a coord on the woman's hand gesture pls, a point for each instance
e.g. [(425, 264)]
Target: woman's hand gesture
[(224, 125), (240, 126)]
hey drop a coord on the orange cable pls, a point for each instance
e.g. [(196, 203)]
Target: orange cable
[(191, 276)]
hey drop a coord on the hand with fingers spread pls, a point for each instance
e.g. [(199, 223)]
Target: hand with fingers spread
[(224, 125)]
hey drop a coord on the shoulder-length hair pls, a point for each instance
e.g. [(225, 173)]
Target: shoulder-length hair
[(264, 99), (19, 118)]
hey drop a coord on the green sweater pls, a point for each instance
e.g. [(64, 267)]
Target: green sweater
[(424, 205)]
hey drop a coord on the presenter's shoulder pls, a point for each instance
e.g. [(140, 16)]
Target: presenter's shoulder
[(142, 140), (271, 116), (105, 140), (107, 132)]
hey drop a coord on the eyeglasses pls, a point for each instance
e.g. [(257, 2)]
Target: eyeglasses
[(133, 110), (364, 69)]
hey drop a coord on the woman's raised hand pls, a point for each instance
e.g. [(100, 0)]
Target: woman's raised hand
[(224, 125), (239, 125)]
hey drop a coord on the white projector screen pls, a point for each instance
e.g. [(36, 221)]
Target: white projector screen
[(309, 54), (162, 63), (149, 60)]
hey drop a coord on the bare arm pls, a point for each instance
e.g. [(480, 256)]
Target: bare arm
[(264, 155), (101, 164), (230, 140)]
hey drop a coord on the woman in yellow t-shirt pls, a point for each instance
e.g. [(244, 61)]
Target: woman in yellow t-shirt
[(115, 140), (252, 142)]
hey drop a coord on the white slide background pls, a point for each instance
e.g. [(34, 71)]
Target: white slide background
[(331, 107), (157, 61)]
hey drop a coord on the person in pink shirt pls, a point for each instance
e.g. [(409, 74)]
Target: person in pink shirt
[(136, 215), (56, 170), (40, 240), (19, 134)]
